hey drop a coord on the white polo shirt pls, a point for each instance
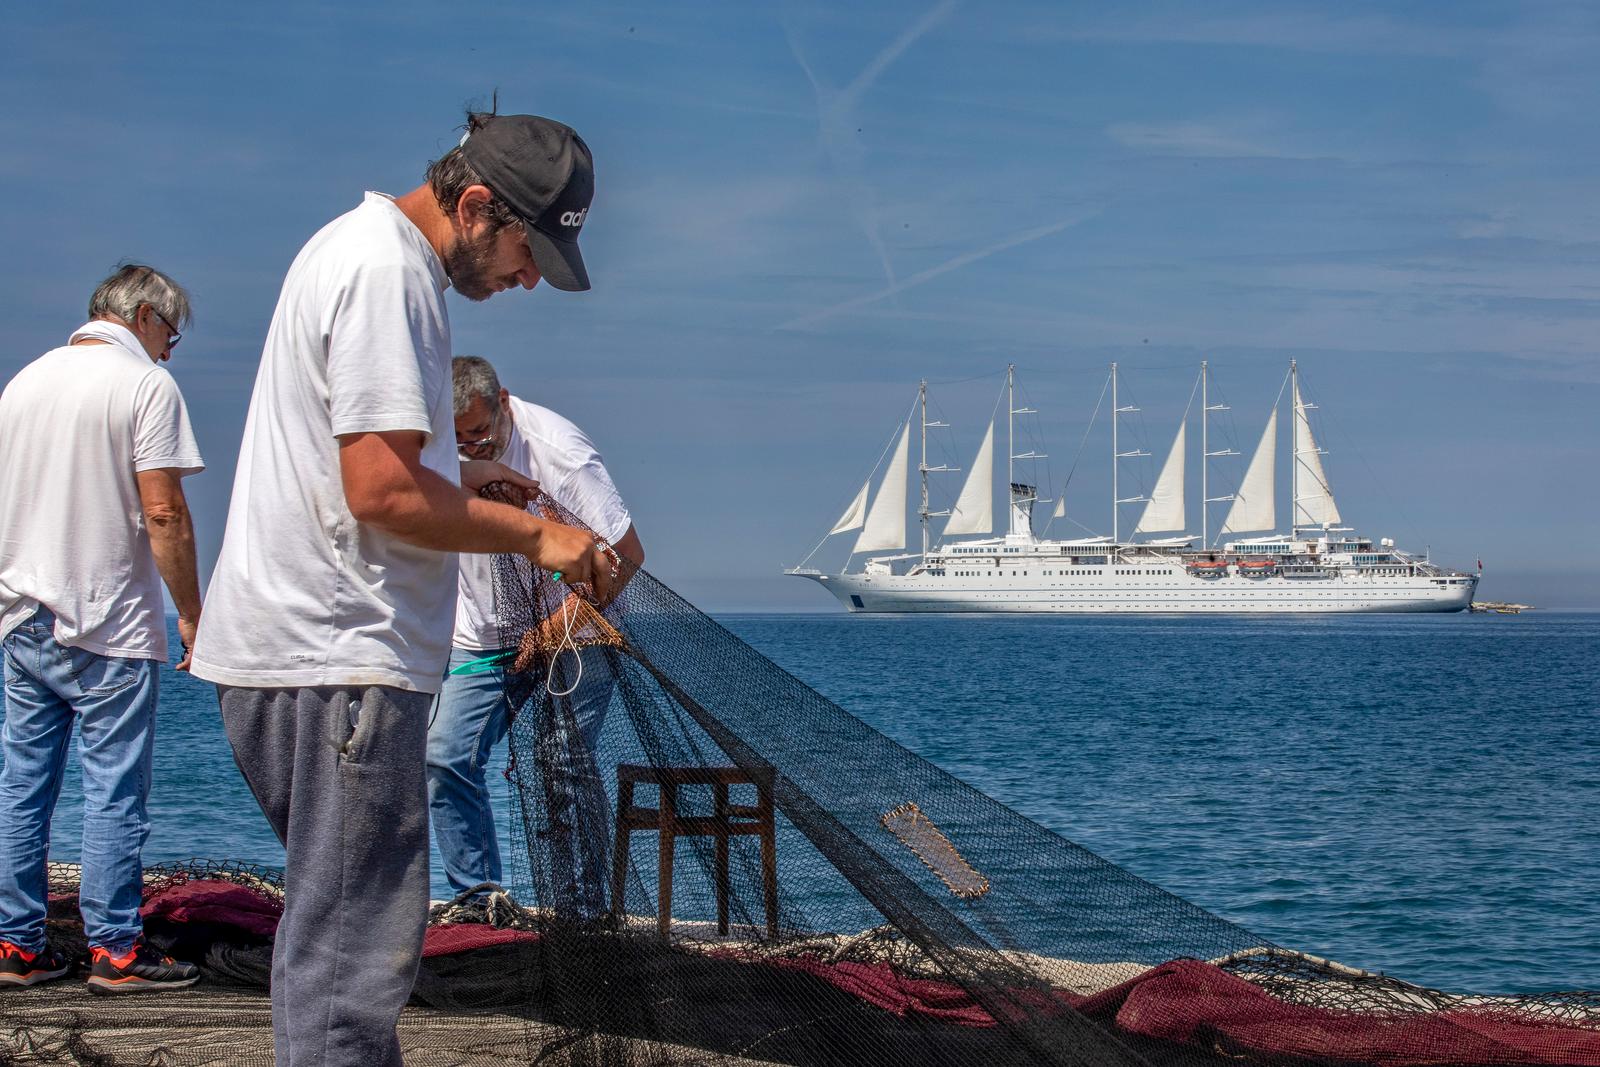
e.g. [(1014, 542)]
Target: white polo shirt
[(303, 594), (549, 448), (76, 425)]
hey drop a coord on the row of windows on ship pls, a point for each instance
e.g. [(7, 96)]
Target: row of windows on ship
[(940, 572), (1072, 560), (1052, 574), (1238, 549), (1278, 548)]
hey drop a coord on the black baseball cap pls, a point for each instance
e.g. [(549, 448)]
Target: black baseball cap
[(544, 172)]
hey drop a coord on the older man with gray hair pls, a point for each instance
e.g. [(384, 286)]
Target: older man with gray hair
[(472, 714), (96, 441)]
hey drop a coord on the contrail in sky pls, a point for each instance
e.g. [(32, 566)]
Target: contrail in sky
[(881, 61), (955, 263), (836, 119)]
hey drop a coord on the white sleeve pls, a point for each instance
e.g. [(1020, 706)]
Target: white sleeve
[(376, 353), (588, 492), (162, 436)]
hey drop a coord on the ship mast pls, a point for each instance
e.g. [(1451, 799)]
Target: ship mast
[(922, 512), (1011, 429), (1116, 457), (1205, 452), (1019, 509), (1294, 450), (1206, 455)]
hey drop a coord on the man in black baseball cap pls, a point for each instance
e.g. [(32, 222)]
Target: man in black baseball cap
[(544, 173), (505, 206), (350, 481)]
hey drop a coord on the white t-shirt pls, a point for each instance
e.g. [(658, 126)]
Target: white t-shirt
[(549, 448), (76, 425), (303, 594)]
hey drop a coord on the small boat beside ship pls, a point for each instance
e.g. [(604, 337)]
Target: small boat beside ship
[(1317, 566)]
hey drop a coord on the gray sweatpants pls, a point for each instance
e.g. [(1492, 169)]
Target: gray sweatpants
[(339, 774)]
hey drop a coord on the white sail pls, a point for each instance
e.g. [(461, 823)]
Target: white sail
[(1165, 510), (1253, 505), (1061, 508), (974, 510), (886, 519), (1313, 503), (855, 514)]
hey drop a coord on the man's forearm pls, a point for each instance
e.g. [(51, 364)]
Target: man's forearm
[(172, 544), (387, 487), (439, 515)]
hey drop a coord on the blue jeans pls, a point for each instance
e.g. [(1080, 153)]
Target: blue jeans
[(47, 686), (569, 819)]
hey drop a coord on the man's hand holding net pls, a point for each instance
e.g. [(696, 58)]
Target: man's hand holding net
[(578, 558), (571, 553)]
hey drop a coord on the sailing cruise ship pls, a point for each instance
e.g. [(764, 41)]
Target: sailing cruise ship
[(1319, 565)]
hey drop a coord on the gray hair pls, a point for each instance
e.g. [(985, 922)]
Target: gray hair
[(474, 377), (134, 284)]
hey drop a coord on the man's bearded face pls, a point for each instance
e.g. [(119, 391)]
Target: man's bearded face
[(471, 265)]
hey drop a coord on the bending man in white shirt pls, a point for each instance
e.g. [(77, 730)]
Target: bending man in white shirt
[(472, 714), (327, 623), (96, 444)]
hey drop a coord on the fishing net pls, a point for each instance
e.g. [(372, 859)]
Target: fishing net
[(712, 863)]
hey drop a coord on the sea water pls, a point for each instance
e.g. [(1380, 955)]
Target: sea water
[(1410, 794)]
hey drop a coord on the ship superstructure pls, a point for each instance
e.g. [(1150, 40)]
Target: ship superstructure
[(1319, 565)]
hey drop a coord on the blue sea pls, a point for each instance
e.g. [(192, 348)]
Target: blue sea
[(1410, 794)]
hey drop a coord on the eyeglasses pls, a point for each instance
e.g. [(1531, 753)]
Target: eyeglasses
[(473, 446), (487, 442), (173, 335)]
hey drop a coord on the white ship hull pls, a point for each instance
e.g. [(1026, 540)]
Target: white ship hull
[(1319, 566), (1178, 593)]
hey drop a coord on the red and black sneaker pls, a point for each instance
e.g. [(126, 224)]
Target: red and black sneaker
[(22, 968), (141, 970)]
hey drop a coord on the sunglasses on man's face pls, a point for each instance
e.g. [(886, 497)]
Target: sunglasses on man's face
[(173, 336)]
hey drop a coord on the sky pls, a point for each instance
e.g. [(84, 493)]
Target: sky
[(803, 209)]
